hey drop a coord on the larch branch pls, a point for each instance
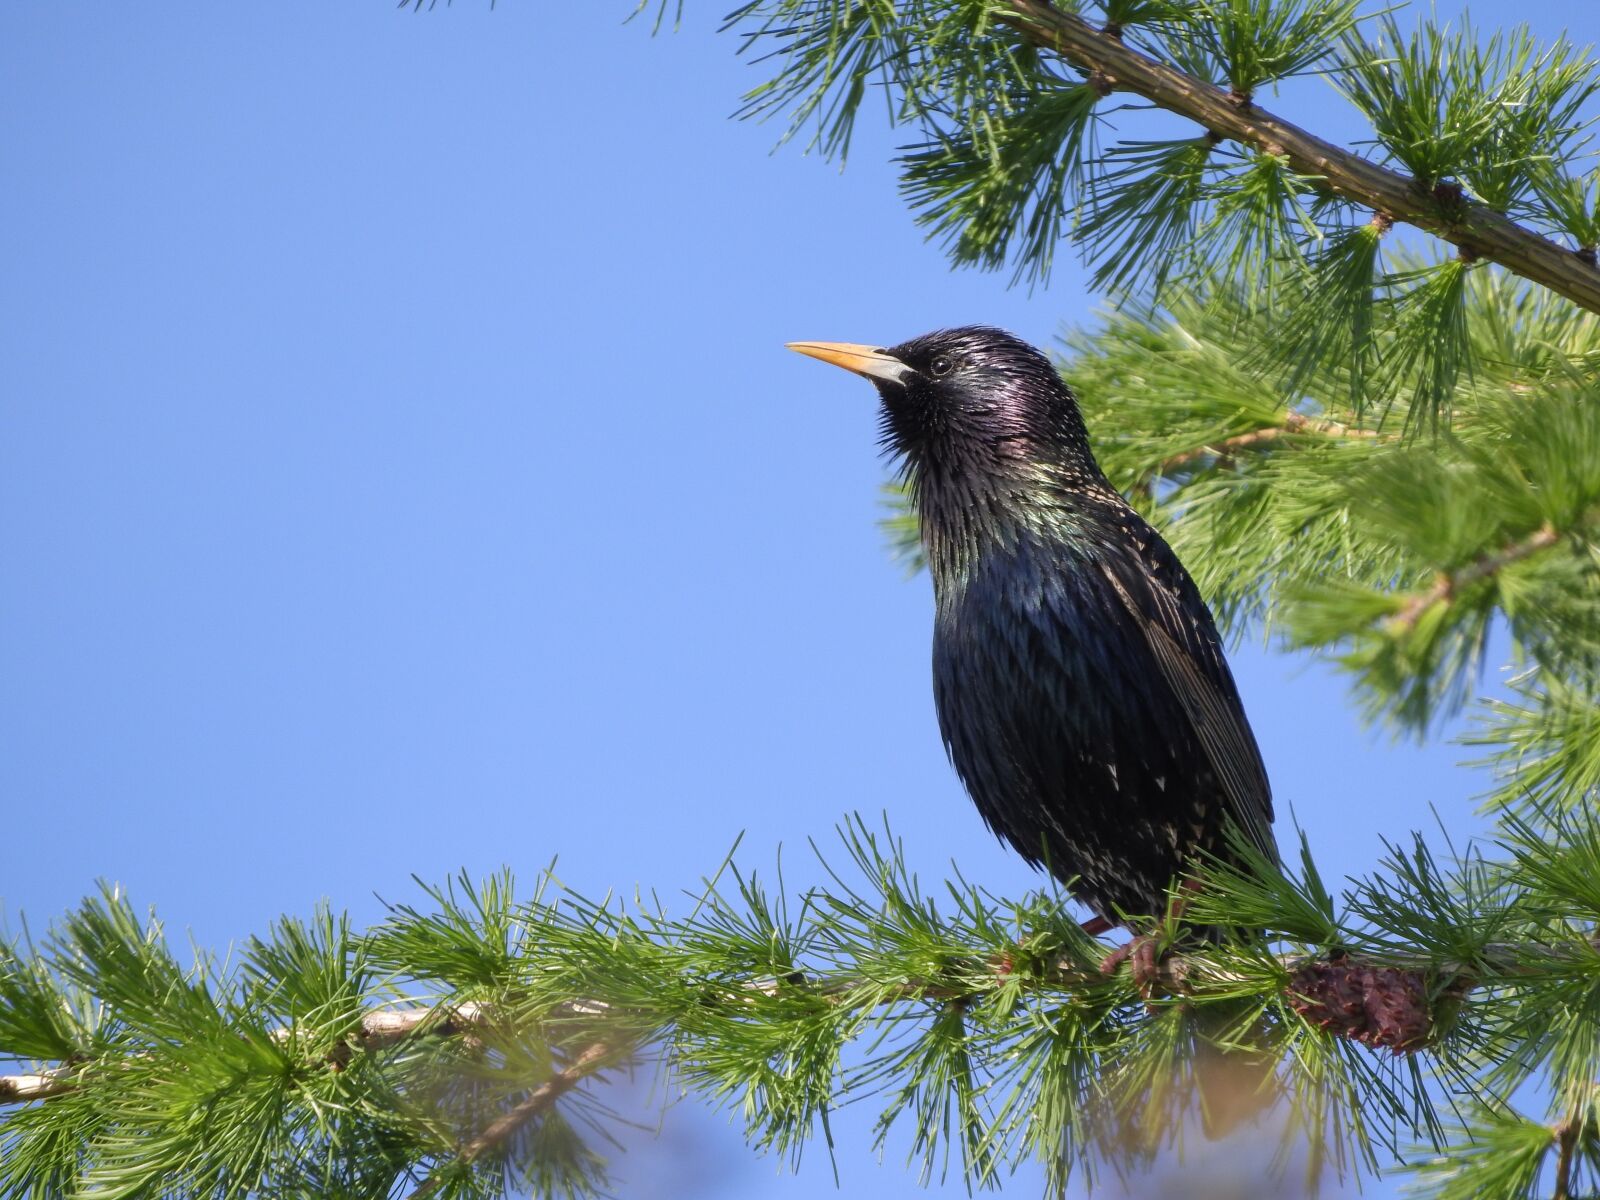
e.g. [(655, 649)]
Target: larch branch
[(1310, 979), (1293, 423), (379, 1028), (40, 1085), (1475, 228), (1448, 583)]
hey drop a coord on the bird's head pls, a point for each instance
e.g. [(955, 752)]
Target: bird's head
[(967, 404)]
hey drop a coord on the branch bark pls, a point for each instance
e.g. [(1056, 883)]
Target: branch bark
[(42, 1085), (1293, 423), (1449, 583), (1477, 230)]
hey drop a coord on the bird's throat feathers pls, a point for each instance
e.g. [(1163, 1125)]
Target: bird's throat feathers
[(980, 498), (968, 517)]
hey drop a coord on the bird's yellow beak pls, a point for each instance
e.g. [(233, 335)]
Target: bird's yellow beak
[(863, 360)]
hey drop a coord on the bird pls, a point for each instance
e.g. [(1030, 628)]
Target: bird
[(1081, 686)]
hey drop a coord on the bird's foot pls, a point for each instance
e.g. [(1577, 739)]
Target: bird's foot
[(1145, 953), (1143, 956)]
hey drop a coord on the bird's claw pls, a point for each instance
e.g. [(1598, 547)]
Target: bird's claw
[(1143, 956)]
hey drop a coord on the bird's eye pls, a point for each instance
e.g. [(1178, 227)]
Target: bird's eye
[(941, 364)]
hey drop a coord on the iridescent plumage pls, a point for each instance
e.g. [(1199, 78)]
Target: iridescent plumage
[(1080, 682)]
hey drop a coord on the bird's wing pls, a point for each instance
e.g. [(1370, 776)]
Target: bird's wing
[(1167, 607)]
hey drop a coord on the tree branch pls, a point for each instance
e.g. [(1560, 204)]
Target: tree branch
[(1449, 583), (379, 1028), (1312, 981), (43, 1085), (1479, 230), (1293, 423)]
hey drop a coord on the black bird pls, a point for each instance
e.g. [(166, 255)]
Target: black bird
[(1080, 683)]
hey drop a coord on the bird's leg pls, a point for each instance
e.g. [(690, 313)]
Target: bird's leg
[(1144, 954), (1141, 950)]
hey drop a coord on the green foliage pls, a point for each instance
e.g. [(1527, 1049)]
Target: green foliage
[(1259, 217), (948, 67), (1505, 518), (1332, 322), (1452, 105), (38, 1019), (1430, 349), (982, 1029), (1008, 175), (1133, 13), (1253, 894), (1144, 215), (470, 942), (1254, 42), (1498, 1153), (1572, 203), (1546, 741)]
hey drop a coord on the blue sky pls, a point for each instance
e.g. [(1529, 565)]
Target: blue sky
[(402, 473)]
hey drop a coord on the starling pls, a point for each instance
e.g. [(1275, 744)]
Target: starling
[(1081, 687)]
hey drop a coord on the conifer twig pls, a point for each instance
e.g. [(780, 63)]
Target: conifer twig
[(1293, 423), (1476, 228), (1448, 583), (380, 1027)]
